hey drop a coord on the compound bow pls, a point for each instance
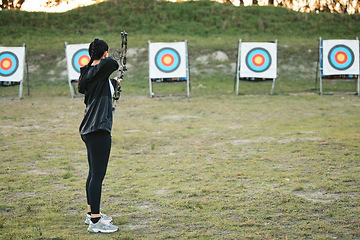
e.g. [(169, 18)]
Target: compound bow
[(120, 55)]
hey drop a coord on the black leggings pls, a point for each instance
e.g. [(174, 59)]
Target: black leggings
[(98, 146)]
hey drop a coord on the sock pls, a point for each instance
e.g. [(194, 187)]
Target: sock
[(89, 213), (95, 220)]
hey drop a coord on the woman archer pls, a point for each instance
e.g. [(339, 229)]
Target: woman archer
[(95, 128)]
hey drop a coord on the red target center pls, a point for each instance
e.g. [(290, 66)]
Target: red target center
[(6, 64), (167, 60), (341, 57), (258, 60), (83, 60)]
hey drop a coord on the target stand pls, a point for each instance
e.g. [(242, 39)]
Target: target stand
[(12, 67), (77, 56), (168, 63), (256, 63), (339, 62)]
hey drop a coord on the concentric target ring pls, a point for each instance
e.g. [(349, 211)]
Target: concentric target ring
[(80, 58), (167, 60), (341, 57), (9, 64), (258, 60)]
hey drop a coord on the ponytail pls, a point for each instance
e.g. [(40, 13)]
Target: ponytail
[(96, 51)]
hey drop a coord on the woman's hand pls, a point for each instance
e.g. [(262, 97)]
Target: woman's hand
[(119, 80)]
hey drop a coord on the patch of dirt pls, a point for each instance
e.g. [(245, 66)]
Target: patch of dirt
[(318, 196), (299, 139), (177, 117)]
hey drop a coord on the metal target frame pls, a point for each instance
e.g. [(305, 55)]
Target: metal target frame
[(170, 66), (337, 77), (73, 74), (23, 65), (254, 79)]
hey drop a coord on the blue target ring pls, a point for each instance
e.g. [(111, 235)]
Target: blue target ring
[(80, 59), (167, 60), (258, 60), (341, 57), (9, 64)]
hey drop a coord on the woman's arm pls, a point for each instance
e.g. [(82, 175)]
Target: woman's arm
[(108, 66)]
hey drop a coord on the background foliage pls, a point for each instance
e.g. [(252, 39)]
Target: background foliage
[(201, 19)]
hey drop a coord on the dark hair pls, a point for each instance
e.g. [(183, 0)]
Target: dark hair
[(97, 48)]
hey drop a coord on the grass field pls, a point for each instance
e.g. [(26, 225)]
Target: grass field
[(206, 167), (212, 166)]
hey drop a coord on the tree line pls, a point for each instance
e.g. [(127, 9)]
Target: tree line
[(333, 6), (11, 4)]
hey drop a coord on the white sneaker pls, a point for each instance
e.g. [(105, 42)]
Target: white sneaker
[(106, 218), (102, 226)]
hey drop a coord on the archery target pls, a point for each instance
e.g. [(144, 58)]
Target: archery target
[(258, 60), (80, 59), (77, 56), (341, 57), (12, 63), (9, 63), (167, 60)]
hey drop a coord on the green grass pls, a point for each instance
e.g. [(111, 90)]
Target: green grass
[(171, 21), (208, 167)]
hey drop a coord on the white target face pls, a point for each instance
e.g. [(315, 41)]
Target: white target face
[(77, 56), (12, 63), (258, 60), (340, 57), (167, 60)]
